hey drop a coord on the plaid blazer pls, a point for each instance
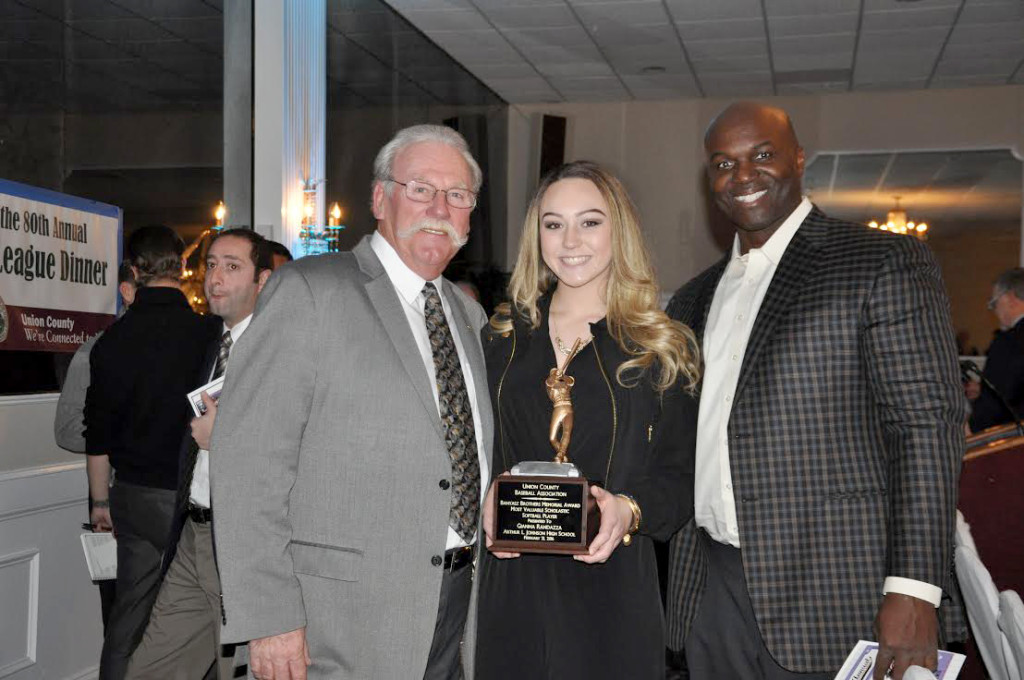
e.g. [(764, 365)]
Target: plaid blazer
[(845, 442)]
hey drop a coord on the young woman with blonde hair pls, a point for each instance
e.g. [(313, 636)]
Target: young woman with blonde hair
[(583, 275)]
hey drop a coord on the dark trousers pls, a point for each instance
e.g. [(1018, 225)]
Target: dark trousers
[(445, 660), (724, 639), (182, 640), (142, 522)]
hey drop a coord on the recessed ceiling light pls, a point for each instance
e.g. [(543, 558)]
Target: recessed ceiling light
[(650, 70)]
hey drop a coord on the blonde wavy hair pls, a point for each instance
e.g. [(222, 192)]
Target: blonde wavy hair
[(636, 322)]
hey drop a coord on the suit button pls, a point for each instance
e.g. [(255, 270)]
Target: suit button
[(444, 484), (436, 560)]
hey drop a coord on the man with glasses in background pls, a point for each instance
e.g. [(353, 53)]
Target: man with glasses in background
[(350, 451), (1004, 365)]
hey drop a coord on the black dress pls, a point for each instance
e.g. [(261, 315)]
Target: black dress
[(546, 616)]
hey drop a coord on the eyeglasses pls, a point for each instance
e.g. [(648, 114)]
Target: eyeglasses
[(422, 192), (995, 300)]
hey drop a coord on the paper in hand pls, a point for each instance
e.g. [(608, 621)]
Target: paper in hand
[(100, 555), (211, 388), (860, 665)]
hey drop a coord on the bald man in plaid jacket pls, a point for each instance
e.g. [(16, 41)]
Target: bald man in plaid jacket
[(830, 433)]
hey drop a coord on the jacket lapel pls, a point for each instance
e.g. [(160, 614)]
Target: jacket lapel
[(392, 317), (790, 277)]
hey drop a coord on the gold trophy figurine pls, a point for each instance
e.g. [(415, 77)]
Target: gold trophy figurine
[(558, 386)]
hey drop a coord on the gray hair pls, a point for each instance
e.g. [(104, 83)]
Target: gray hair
[(1011, 281), (383, 165)]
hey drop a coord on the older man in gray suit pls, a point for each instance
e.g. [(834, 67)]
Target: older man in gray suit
[(348, 456)]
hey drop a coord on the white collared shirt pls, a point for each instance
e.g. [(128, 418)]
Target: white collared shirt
[(735, 306), (199, 492), (409, 287)]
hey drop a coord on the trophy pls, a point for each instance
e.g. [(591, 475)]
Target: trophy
[(546, 506)]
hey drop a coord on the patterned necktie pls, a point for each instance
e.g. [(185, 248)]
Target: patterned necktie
[(185, 490), (457, 418), (222, 355)]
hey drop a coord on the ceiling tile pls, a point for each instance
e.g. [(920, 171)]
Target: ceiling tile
[(782, 8), (950, 81), (543, 16), (635, 35), (1012, 50), (733, 65), (196, 28), (735, 29), (404, 5), (497, 4), (429, 20), (796, 89), (788, 26), (546, 37), (876, 67), (879, 85), (121, 29), (989, 13), (874, 5), (787, 63), (167, 9), (981, 66), (636, 64), (570, 54), (929, 39), (614, 16), (98, 9), (909, 18), (812, 46), (489, 72), (1010, 31), (573, 69), (708, 10), (708, 49), (661, 85)]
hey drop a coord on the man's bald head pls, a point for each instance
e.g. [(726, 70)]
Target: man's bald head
[(740, 112)]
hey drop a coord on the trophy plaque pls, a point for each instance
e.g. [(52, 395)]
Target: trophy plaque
[(546, 506)]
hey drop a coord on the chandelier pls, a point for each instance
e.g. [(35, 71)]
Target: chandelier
[(897, 223)]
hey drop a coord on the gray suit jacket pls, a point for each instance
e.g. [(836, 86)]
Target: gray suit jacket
[(325, 462), (845, 442)]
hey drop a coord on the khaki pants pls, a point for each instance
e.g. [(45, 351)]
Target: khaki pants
[(182, 640)]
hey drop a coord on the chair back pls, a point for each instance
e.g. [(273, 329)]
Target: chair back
[(1011, 622), (981, 598)]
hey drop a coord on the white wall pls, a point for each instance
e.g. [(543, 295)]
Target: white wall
[(50, 626), (656, 149)]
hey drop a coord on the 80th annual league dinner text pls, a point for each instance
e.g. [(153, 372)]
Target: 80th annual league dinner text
[(32, 263)]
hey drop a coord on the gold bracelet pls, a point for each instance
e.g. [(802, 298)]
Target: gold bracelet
[(634, 507)]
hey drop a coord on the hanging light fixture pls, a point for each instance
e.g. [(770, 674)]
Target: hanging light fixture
[(220, 212), (897, 223)]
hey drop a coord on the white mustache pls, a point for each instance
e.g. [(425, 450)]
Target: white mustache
[(436, 225)]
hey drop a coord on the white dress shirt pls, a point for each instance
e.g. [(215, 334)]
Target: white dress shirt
[(734, 308), (199, 492), (409, 288)]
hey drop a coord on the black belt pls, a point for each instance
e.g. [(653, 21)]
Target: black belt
[(199, 515), (457, 558)]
